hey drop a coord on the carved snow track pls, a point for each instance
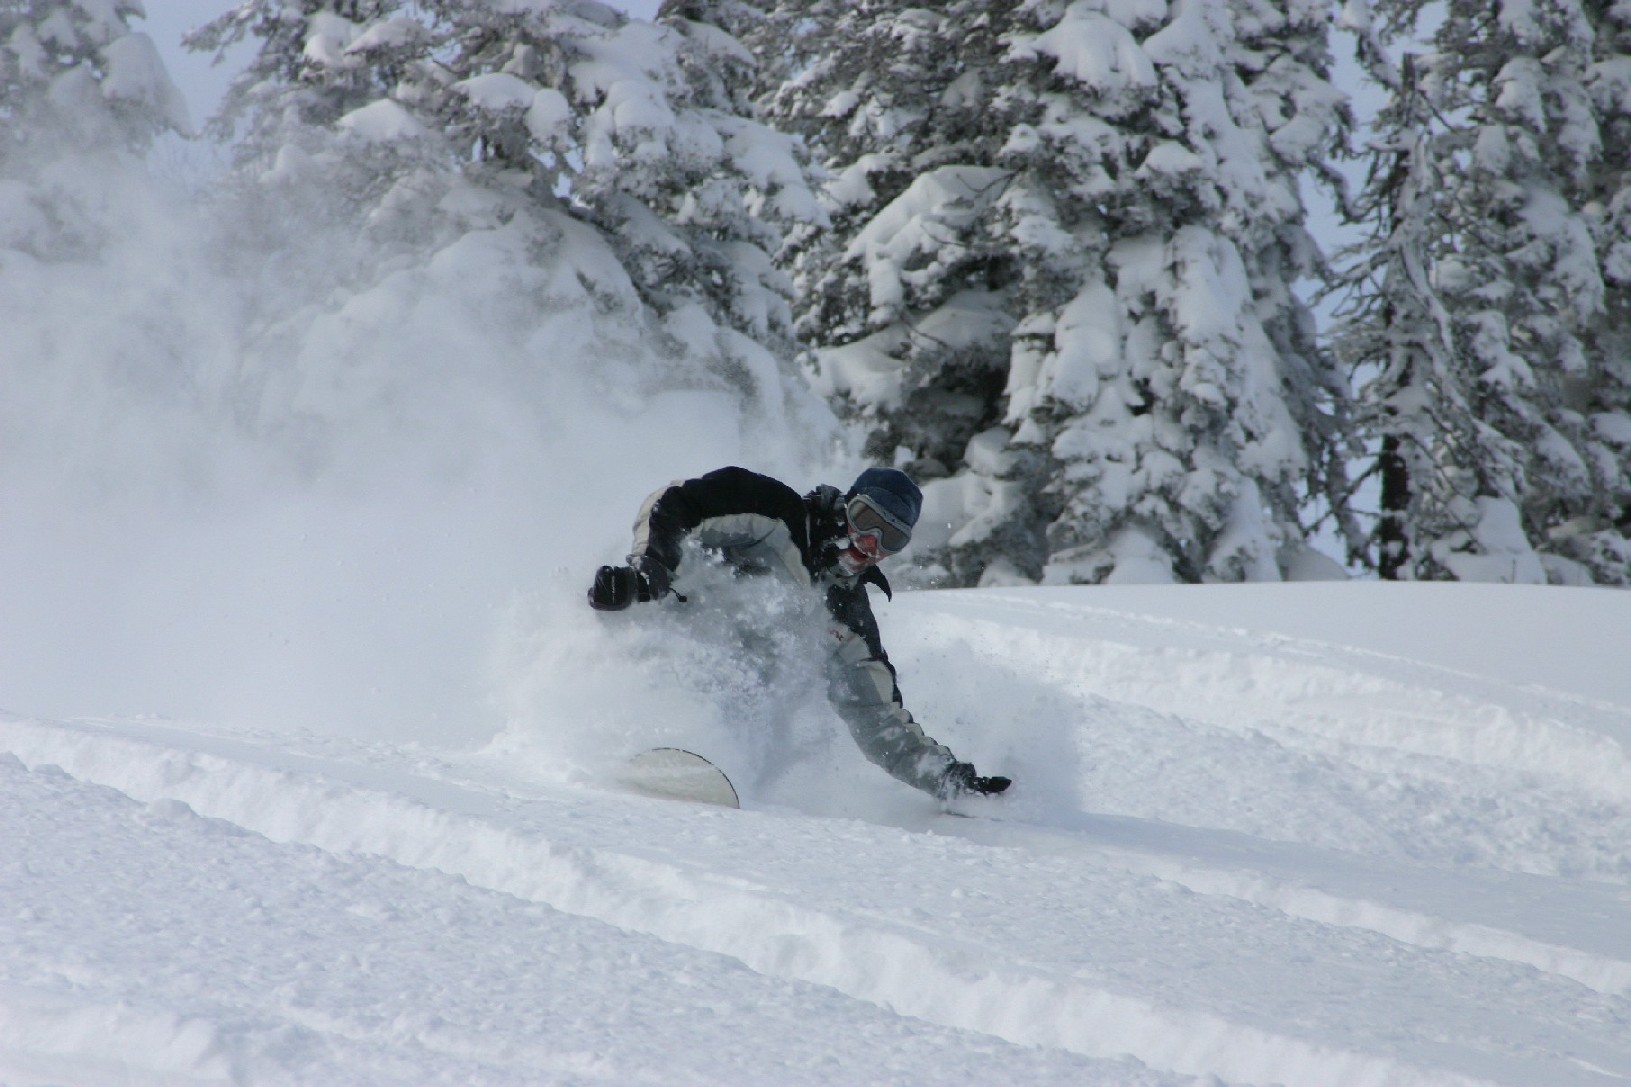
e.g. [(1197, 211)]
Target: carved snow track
[(1094, 942)]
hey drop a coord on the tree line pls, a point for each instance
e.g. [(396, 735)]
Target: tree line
[(1050, 256)]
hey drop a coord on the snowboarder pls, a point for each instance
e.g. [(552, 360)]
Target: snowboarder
[(827, 541)]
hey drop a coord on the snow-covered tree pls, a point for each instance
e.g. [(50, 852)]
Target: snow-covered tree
[(1193, 414), (1059, 279), (74, 72), (432, 119), (1397, 333), (781, 38), (903, 298), (77, 84), (1495, 389), (92, 264), (1600, 536), (699, 192), (1284, 59), (318, 140)]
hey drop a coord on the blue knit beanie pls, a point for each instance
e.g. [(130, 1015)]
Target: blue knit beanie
[(893, 492)]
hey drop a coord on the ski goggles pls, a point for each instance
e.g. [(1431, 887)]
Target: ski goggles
[(866, 518)]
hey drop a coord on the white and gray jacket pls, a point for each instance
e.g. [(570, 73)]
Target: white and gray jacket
[(761, 525)]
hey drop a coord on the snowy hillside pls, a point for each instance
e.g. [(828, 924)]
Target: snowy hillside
[(1313, 835)]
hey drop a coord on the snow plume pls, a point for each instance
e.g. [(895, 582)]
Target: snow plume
[(271, 476), (735, 669)]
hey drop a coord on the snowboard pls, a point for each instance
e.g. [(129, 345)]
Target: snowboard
[(675, 774)]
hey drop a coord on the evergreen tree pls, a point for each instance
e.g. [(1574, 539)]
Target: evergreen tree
[(702, 194), (1498, 411), (1284, 60), (81, 94), (1599, 537), (435, 118), (1193, 414), (1397, 332), (90, 336), (905, 299), (319, 138), (1059, 279), (781, 39), (74, 72)]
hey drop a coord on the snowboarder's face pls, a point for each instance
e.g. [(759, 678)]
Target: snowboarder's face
[(873, 531), (852, 560), (873, 536)]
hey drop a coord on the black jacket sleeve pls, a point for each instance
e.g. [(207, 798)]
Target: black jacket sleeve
[(672, 514)]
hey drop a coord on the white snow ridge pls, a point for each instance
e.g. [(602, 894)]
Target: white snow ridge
[(1246, 846)]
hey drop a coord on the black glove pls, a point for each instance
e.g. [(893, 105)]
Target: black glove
[(654, 576), (616, 587), (960, 779)]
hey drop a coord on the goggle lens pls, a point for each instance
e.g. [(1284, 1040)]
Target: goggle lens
[(865, 519)]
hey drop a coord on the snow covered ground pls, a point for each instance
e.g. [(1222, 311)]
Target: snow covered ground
[(1312, 835)]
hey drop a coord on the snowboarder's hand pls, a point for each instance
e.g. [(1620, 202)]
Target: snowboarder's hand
[(960, 779), (653, 578), (990, 786), (616, 587)]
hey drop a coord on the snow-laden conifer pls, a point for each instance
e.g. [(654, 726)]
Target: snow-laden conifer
[(75, 72), (102, 315), (620, 149), (82, 94), (1181, 389), (1486, 333), (905, 300), (1059, 279), (1396, 333)]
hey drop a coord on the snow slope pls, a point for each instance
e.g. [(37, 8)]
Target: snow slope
[(1311, 835)]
